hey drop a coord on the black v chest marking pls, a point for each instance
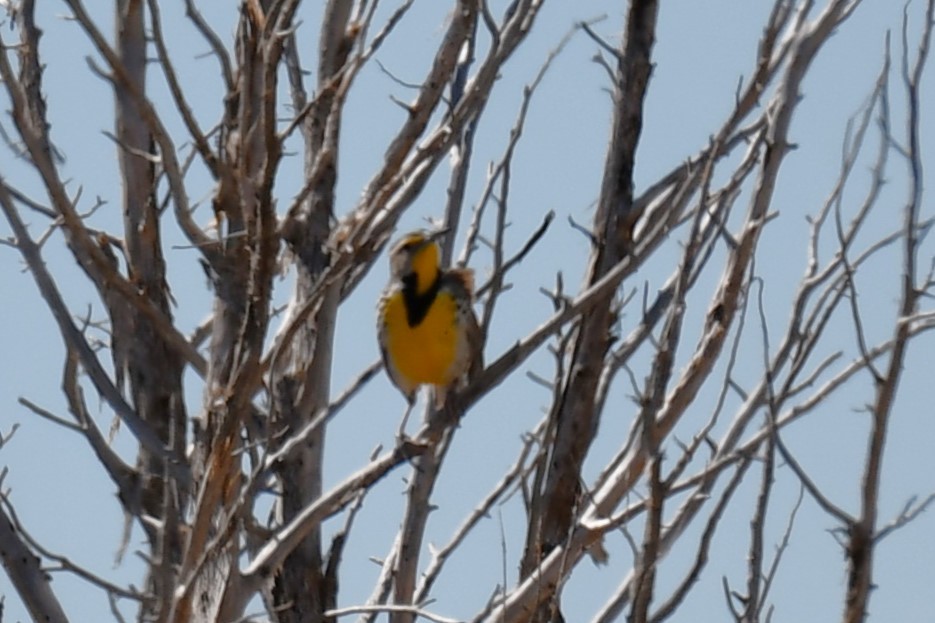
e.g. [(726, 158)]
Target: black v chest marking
[(418, 305)]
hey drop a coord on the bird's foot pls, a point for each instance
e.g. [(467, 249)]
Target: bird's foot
[(411, 448)]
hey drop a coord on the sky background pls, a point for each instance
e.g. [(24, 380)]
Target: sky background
[(704, 47)]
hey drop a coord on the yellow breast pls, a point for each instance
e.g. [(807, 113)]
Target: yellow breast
[(425, 353)]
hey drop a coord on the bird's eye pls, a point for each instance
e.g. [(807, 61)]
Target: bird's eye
[(412, 243)]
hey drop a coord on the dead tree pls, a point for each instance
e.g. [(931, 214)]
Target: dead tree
[(195, 484)]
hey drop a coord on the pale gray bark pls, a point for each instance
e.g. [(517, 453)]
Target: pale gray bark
[(262, 424), (25, 571)]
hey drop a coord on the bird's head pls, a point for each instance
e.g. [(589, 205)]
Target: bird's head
[(414, 259)]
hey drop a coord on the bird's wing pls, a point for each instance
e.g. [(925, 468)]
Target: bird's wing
[(460, 281)]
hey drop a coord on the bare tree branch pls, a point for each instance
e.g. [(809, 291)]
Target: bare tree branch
[(30, 581), (658, 395)]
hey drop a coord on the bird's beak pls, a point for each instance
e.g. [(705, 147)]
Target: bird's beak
[(439, 233)]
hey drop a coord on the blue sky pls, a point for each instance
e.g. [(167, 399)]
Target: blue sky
[(703, 48)]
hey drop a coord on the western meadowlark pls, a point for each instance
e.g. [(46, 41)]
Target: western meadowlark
[(426, 326)]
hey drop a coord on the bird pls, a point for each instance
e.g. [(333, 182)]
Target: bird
[(426, 327)]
